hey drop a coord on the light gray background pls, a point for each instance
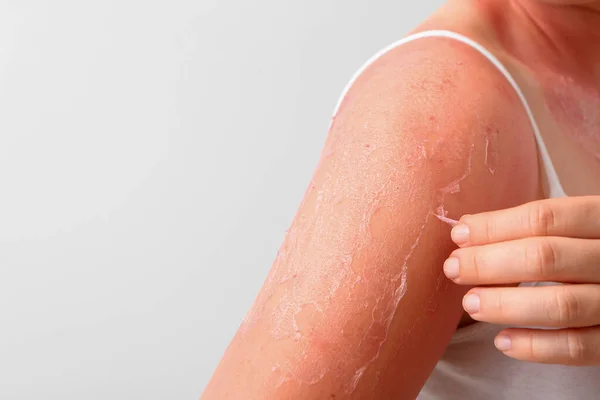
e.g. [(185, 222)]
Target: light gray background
[(152, 154)]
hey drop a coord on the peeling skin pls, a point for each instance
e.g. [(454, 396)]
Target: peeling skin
[(292, 288), (559, 47), (295, 300), (440, 214), (357, 264), (290, 296), (390, 311), (491, 151), (454, 187), (401, 289)]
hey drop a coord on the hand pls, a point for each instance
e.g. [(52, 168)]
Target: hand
[(555, 240)]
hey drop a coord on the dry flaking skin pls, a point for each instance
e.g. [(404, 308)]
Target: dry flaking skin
[(491, 152), (454, 187), (310, 305)]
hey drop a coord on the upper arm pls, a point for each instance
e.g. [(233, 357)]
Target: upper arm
[(356, 304)]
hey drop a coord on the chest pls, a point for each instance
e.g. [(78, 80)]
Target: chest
[(576, 110), (568, 113)]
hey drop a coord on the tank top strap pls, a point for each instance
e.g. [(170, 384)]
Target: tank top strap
[(554, 188)]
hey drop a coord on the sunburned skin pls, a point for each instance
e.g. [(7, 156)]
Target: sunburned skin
[(492, 156), (454, 187), (356, 305), (576, 109), (356, 293), (296, 300), (560, 58), (291, 299), (440, 214), (491, 152)]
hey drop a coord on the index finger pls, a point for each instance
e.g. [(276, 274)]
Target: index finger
[(577, 217)]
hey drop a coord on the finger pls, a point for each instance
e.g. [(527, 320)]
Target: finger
[(549, 259), (550, 306), (578, 347), (571, 217)]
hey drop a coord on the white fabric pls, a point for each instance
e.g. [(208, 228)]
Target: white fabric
[(472, 368)]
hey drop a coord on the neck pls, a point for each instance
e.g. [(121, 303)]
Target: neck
[(549, 38)]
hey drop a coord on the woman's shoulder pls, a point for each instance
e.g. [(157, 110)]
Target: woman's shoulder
[(447, 97)]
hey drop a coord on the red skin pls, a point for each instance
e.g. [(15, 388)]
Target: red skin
[(333, 319), (562, 55), (267, 359)]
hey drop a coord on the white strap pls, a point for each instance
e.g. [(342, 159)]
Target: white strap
[(554, 187)]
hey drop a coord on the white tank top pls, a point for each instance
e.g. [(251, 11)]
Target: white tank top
[(472, 368)]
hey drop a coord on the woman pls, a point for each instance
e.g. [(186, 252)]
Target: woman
[(489, 105)]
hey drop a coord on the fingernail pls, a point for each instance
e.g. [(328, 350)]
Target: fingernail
[(451, 268), (471, 303), (502, 343), (460, 234)]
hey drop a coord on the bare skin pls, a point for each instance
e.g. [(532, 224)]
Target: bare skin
[(356, 304), (550, 240), (558, 68), (554, 54)]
